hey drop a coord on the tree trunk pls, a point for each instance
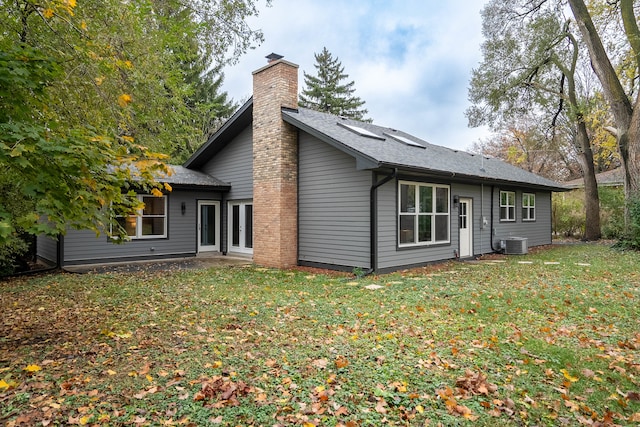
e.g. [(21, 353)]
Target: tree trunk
[(592, 230), (627, 124)]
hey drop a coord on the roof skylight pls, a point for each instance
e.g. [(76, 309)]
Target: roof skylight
[(404, 140), (361, 131)]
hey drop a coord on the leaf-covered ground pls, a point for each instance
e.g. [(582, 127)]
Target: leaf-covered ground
[(550, 338)]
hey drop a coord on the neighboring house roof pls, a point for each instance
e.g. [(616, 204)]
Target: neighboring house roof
[(612, 178), (383, 148)]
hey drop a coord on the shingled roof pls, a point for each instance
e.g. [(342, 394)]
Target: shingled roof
[(381, 146), (384, 148)]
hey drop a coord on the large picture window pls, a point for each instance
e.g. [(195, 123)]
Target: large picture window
[(423, 214), (528, 207), (507, 206), (150, 222)]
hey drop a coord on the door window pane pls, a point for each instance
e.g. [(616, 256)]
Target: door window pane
[(248, 226), (235, 232), (208, 225)]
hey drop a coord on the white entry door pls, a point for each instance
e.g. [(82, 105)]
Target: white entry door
[(208, 226), (240, 227), (466, 227)]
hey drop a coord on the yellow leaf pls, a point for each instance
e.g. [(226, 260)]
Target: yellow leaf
[(32, 368), (124, 100), (7, 385), (568, 376), (83, 25), (128, 138), (149, 378), (85, 420), (167, 187), (111, 372), (420, 409), (48, 13), (156, 192), (217, 364)]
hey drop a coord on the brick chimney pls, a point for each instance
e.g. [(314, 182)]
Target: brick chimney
[(275, 165)]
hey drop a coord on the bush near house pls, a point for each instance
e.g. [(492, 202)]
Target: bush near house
[(548, 338), (568, 213)]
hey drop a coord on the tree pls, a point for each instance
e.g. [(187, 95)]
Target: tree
[(626, 113), (531, 60), (90, 92), (524, 142), (327, 91)]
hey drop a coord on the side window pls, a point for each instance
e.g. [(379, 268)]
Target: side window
[(423, 214), (528, 207), (149, 222), (507, 206)]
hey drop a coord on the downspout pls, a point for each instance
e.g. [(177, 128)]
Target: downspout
[(491, 231), (372, 220)]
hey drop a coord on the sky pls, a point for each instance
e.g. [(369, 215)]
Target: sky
[(411, 60)]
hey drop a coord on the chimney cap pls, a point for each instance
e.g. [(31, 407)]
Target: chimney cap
[(273, 57)]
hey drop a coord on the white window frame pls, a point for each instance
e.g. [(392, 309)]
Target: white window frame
[(139, 216), (433, 214), (509, 208), (528, 206)]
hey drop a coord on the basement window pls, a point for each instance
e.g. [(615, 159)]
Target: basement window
[(361, 131)]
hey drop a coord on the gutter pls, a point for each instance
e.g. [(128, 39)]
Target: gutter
[(372, 220)]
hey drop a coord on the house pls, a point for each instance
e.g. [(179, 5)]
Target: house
[(610, 178), (298, 187)]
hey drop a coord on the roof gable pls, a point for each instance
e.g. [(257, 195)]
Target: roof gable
[(232, 127)]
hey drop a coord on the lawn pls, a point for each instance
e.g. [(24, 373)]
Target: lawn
[(550, 338)]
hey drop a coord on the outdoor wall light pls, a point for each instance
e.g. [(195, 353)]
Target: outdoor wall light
[(456, 200), (183, 207)]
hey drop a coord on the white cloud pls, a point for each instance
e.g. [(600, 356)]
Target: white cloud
[(410, 60)]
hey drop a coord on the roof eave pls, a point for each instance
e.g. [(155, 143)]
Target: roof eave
[(475, 179), (236, 123)]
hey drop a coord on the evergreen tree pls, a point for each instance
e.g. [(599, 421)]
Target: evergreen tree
[(327, 91)]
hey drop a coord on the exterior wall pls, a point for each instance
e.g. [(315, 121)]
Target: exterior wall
[(390, 256), (82, 246), (333, 210), (233, 164), (47, 249), (537, 232), (275, 172)]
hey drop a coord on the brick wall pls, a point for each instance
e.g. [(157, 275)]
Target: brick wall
[(275, 166)]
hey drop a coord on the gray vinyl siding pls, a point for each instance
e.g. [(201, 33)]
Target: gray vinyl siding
[(47, 249), (392, 257), (82, 246), (537, 232), (333, 206), (234, 165)]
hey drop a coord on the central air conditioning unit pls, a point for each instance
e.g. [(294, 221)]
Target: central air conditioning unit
[(515, 246)]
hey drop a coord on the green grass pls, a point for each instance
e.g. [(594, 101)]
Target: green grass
[(485, 343)]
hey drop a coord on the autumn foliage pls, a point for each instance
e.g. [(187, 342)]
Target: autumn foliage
[(549, 338)]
